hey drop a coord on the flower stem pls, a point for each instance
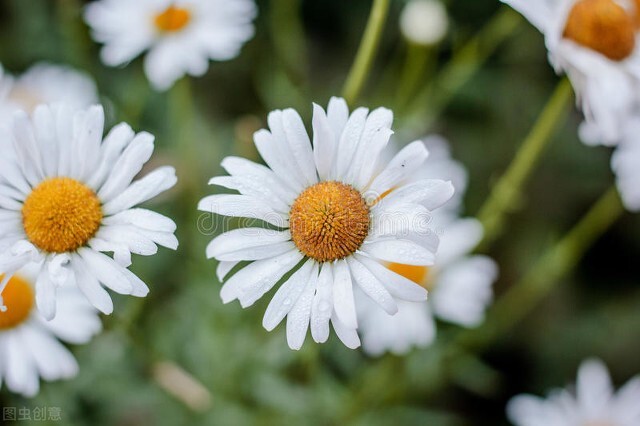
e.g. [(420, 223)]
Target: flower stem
[(505, 194), (427, 104), (366, 52), (546, 272), (418, 60)]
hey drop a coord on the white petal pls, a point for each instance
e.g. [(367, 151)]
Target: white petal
[(348, 143), (348, 336), (343, 299), (430, 193), (115, 141), (142, 190), (224, 268), (298, 318), (287, 296), (404, 164), (106, 270), (46, 295), (399, 251), (324, 142), (252, 281), (249, 244), (322, 306), (300, 144), (270, 151), (243, 206), (371, 286), (130, 163), (91, 288), (397, 285)]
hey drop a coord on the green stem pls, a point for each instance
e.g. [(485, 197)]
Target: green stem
[(558, 261), (289, 38), (366, 52), (418, 59), (429, 103), (505, 194)]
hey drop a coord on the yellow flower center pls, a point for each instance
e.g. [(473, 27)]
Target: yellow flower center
[(329, 221), (61, 215), (172, 19), (18, 298), (603, 26), (417, 274)]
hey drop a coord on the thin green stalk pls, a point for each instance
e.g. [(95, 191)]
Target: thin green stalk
[(418, 59), (366, 52), (289, 38), (428, 104), (545, 274), (505, 194)]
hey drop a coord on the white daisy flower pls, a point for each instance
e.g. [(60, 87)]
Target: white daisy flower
[(459, 284), (180, 35), (625, 163), (66, 196), (595, 42), (595, 403), (335, 228), (29, 345), (44, 83), (424, 22)]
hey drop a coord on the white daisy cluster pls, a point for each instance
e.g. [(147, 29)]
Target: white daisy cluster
[(597, 44), (594, 402), (66, 195), (180, 36), (341, 215), (459, 284)]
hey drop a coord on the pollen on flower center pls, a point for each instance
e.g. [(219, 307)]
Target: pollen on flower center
[(603, 26), (417, 274), (329, 221), (61, 215), (18, 298), (172, 19)]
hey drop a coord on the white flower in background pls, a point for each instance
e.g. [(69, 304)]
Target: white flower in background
[(424, 22), (595, 42), (459, 284), (625, 163), (66, 195), (44, 83), (326, 199), (595, 403), (29, 345), (180, 35)]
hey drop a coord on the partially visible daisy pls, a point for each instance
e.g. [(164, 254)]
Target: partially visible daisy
[(424, 22), (181, 36), (336, 227), (459, 284), (29, 345), (594, 403), (67, 195), (595, 42), (44, 83), (625, 163)]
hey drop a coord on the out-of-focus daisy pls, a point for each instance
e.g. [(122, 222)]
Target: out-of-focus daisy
[(424, 22), (594, 403), (625, 163), (29, 345), (459, 284), (44, 83), (67, 195), (180, 35), (335, 227), (595, 43)]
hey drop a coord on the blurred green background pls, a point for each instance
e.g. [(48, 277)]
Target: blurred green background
[(301, 53)]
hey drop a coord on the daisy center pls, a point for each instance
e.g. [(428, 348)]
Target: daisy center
[(603, 26), (172, 19), (329, 221), (417, 274), (61, 215), (18, 298)]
